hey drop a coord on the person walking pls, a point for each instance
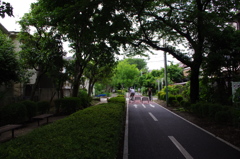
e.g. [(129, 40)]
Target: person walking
[(150, 93)]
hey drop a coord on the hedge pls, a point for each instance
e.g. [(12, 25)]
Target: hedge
[(94, 132), (43, 107), (13, 114), (31, 108), (68, 105)]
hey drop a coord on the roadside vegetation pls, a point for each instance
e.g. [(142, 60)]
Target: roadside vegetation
[(95, 132)]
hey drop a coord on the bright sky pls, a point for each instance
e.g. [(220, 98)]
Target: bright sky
[(23, 6), (19, 8)]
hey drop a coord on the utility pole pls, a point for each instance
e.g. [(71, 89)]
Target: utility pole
[(165, 72)]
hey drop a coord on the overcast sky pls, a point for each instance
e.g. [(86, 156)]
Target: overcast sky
[(19, 8), (23, 6)]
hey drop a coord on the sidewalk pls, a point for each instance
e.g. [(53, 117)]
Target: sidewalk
[(28, 127)]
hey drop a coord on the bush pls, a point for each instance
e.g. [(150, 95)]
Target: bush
[(213, 109), (31, 108), (68, 105), (43, 107), (94, 132), (120, 92), (171, 99), (186, 105), (222, 116), (200, 109), (179, 98), (85, 100), (117, 100), (13, 114), (235, 117)]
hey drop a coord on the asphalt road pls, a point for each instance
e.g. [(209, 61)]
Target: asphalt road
[(152, 132)]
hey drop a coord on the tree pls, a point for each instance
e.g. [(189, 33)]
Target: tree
[(5, 8), (101, 67), (221, 66), (84, 24), (10, 69), (186, 23), (41, 50), (125, 74), (140, 63), (175, 73)]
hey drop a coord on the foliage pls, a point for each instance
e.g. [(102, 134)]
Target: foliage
[(10, 69), (118, 99), (85, 99), (94, 132), (100, 70), (5, 8), (125, 74), (222, 117), (140, 63), (191, 24), (68, 105), (43, 107), (31, 108), (42, 48), (93, 28), (13, 114)]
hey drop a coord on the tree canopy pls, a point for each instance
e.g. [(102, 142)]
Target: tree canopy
[(5, 8), (186, 23), (9, 65), (126, 74)]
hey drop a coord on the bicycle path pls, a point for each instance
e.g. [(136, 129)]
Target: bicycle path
[(153, 132)]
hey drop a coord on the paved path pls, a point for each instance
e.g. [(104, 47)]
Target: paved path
[(155, 133)]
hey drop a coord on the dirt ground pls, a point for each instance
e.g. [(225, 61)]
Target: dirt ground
[(225, 132)]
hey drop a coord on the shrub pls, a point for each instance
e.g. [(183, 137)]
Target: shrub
[(200, 109), (179, 98), (68, 105), (31, 108), (222, 116), (120, 92), (13, 114), (171, 99), (186, 105), (43, 107), (94, 132), (162, 95), (213, 109), (85, 100), (117, 100), (235, 117)]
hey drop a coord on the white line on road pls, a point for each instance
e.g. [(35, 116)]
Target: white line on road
[(180, 148), (143, 106), (152, 105), (135, 105), (154, 118)]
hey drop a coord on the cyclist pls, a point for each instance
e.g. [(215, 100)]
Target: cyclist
[(132, 93)]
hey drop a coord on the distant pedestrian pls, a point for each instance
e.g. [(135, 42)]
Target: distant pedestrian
[(150, 93)]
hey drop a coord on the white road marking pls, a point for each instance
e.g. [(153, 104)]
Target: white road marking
[(135, 105), (152, 105), (154, 118), (143, 106), (180, 148)]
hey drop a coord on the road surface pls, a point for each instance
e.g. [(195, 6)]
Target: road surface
[(153, 132)]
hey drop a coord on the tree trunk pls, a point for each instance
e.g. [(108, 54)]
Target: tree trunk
[(76, 84), (35, 86), (194, 84)]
